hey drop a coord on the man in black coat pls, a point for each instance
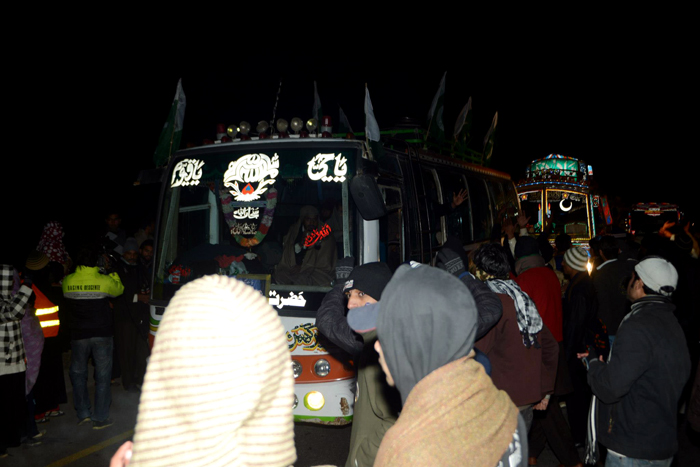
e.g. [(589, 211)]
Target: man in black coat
[(638, 388)]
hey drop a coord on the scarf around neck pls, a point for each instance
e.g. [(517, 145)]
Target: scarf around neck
[(453, 416), (529, 320)]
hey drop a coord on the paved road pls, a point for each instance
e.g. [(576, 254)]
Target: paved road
[(66, 444)]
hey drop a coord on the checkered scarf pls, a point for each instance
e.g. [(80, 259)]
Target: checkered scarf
[(529, 320), (12, 304)]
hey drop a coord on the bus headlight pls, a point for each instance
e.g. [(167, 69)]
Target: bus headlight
[(314, 400), (322, 367), (296, 402), (296, 367)]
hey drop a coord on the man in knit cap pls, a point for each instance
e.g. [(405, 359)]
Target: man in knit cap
[(377, 404), (580, 311), (233, 405), (638, 388), (452, 413)]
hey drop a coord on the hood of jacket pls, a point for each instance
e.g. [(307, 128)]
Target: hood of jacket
[(428, 319)]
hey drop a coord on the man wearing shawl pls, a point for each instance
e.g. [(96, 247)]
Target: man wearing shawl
[(309, 252), (522, 351), (452, 413)]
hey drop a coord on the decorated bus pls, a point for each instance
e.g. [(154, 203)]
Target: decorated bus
[(237, 208), (556, 194), (648, 218)]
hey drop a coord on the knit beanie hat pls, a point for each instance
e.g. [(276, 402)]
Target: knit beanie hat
[(576, 258), (36, 261), (210, 397), (526, 246), (370, 278), (658, 274)]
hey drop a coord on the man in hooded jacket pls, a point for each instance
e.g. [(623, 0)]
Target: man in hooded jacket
[(452, 413)]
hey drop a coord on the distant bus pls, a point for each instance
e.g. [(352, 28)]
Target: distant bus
[(648, 218), (226, 208), (556, 195)]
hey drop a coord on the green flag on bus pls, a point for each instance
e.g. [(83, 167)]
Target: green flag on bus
[(169, 140)]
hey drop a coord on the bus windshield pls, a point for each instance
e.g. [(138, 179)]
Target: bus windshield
[(568, 212), (275, 215)]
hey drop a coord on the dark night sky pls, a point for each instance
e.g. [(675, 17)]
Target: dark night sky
[(621, 102)]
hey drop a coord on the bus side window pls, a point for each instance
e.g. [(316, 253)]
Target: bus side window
[(458, 220), (391, 241), (481, 211), (411, 218), (498, 199), (431, 224)]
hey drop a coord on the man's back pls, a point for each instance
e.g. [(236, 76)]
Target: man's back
[(543, 287), (89, 291)]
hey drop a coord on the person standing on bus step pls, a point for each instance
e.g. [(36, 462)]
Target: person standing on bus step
[(309, 252), (131, 319), (377, 404), (638, 388), (87, 294)]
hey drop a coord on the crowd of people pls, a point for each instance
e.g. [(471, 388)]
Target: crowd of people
[(468, 361), (95, 306)]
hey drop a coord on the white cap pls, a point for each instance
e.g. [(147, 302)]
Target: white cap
[(658, 274)]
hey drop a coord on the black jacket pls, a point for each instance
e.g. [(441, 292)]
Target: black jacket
[(332, 323), (639, 387), (612, 293)]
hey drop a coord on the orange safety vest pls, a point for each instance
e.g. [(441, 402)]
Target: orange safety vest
[(47, 313)]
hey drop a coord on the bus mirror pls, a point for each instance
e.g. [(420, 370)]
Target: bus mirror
[(367, 197)]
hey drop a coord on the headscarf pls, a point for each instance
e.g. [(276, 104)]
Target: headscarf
[(51, 243), (211, 396)]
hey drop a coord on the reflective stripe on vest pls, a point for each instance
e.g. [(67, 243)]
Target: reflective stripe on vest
[(47, 313)]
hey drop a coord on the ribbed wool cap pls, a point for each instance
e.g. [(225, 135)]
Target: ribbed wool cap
[(219, 388), (576, 258), (370, 278)]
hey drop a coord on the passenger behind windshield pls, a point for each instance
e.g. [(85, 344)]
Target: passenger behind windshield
[(309, 252)]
